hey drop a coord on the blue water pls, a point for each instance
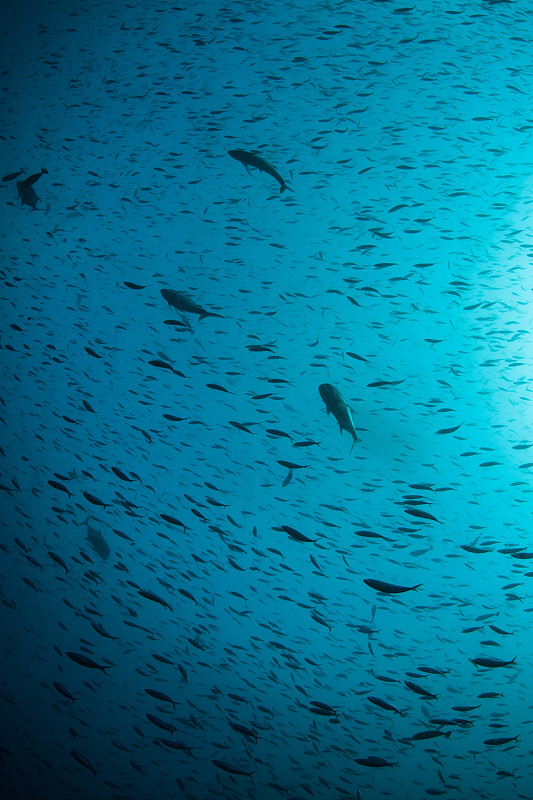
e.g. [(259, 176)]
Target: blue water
[(395, 266)]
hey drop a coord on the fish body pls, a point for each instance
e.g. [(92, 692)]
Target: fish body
[(84, 661), (491, 663), (337, 405), (255, 160), (389, 588), (97, 542), (182, 302), (231, 768), (384, 704), (415, 687), (26, 192), (28, 195), (374, 761), (83, 760)]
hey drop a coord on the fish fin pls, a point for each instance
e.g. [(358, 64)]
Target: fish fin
[(210, 314)]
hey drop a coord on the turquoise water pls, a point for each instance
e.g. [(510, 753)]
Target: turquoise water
[(164, 578)]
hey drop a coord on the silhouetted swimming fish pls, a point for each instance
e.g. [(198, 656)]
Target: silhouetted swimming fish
[(182, 302), (337, 405), (254, 160), (12, 175), (97, 542), (26, 192)]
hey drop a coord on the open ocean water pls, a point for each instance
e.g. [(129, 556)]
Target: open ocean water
[(266, 405)]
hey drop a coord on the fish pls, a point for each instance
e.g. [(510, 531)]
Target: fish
[(383, 704), (500, 740), (417, 689), (181, 301), (375, 761), (160, 696), (491, 663), (64, 691), (26, 192), (83, 760), (337, 405), (295, 534), (389, 588), (12, 175), (429, 734), (161, 723), (84, 661), (154, 597), (231, 768), (97, 542), (250, 159)]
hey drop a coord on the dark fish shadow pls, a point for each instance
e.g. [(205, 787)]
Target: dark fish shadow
[(97, 542)]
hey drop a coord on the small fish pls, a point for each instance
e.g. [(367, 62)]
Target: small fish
[(292, 465), (64, 691), (94, 500), (165, 726), (417, 512), (58, 560), (160, 696), (154, 597), (98, 627), (59, 486), (389, 588), (296, 535), (172, 520), (231, 768), (83, 661), (83, 760), (450, 430), (276, 432), (429, 734), (491, 663), (12, 175), (375, 761), (384, 705), (500, 740), (417, 689), (122, 475)]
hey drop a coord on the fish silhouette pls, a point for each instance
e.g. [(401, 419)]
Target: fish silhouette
[(26, 192), (337, 405), (97, 542)]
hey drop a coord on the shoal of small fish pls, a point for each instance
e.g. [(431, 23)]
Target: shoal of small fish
[(209, 212)]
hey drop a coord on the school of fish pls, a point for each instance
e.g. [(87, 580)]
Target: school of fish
[(265, 401)]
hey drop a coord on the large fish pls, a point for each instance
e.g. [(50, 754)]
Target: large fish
[(26, 192), (182, 302), (254, 160), (97, 542), (337, 405)]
